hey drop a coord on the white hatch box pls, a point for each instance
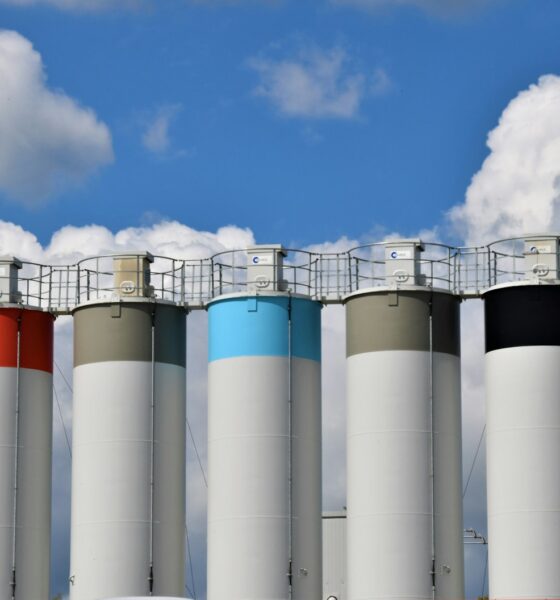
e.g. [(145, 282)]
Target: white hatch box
[(334, 555), (403, 262), (132, 274), (265, 267), (541, 256), (9, 267)]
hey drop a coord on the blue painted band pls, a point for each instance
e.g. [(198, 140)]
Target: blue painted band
[(260, 326)]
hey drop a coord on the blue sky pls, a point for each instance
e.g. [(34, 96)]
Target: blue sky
[(299, 122), (399, 160)]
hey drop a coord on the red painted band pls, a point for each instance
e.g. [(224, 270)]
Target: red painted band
[(36, 340)]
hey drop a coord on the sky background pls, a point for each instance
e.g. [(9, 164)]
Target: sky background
[(188, 127)]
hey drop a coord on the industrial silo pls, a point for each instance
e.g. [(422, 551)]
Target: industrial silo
[(264, 439), (128, 451), (404, 508), (523, 428), (26, 367)]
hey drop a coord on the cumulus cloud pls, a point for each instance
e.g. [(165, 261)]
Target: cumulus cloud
[(156, 136), (48, 142), (517, 189), (16, 240), (317, 84), (166, 238)]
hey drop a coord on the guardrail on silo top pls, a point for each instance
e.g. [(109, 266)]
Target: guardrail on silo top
[(328, 277)]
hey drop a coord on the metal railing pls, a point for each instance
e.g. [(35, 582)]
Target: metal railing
[(127, 276), (369, 267), (327, 277)]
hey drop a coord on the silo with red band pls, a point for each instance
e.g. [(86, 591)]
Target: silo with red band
[(26, 370)]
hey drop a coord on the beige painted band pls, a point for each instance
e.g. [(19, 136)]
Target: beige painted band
[(121, 331), (400, 320)]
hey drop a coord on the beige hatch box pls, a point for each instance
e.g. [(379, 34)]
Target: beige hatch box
[(9, 267), (132, 275)]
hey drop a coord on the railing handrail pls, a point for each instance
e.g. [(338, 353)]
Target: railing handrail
[(325, 276)]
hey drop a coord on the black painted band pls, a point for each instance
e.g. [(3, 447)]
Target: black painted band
[(527, 315)]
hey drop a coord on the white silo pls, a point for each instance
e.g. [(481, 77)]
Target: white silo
[(128, 459), (264, 440), (523, 429), (404, 508), (26, 367)]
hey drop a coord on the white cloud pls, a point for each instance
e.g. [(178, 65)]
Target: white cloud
[(14, 240), (167, 238), (317, 84), (334, 407), (156, 137), (517, 189), (48, 142)]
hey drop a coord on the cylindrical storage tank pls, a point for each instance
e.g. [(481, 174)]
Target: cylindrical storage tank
[(264, 448), (404, 508), (26, 367), (523, 440), (128, 450)]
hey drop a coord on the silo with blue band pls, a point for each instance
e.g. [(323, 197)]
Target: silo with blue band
[(264, 440)]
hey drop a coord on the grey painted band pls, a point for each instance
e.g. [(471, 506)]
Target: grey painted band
[(400, 320), (123, 332)]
